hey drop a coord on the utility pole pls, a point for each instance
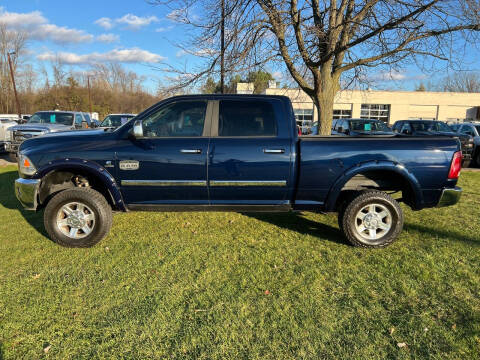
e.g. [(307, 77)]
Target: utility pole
[(19, 111), (222, 49), (89, 95)]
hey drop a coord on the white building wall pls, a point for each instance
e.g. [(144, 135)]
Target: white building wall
[(403, 104)]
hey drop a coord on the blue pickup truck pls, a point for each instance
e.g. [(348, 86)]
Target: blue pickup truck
[(231, 153)]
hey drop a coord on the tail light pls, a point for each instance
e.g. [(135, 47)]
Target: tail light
[(455, 166)]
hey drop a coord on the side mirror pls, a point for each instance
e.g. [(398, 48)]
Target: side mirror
[(84, 125), (138, 129), (406, 132), (340, 129)]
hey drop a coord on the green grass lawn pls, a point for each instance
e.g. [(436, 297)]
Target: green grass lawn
[(241, 286)]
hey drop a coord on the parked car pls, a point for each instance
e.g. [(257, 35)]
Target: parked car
[(46, 122), (436, 128), (360, 127), (114, 121), (473, 130), (231, 153), (5, 124)]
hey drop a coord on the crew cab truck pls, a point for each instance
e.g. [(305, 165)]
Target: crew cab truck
[(231, 153)]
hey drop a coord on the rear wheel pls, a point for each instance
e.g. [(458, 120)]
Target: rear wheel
[(371, 219), (78, 218)]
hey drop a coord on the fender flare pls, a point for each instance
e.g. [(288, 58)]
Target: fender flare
[(335, 190), (89, 167)]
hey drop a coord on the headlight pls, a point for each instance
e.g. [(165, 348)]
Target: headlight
[(25, 165), (10, 135)]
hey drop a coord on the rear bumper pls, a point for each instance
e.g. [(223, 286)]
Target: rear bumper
[(26, 191), (450, 197)]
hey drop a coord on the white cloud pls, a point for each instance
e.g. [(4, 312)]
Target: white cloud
[(105, 23), (108, 38), (278, 75), (396, 75), (181, 53), (206, 52), (61, 34), (164, 29), (392, 75), (134, 55), (135, 22), (39, 28)]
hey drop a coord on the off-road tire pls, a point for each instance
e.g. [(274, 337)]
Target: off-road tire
[(348, 216), (91, 198)]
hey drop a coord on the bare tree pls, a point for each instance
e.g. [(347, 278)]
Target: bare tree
[(461, 82), (10, 41), (322, 41)]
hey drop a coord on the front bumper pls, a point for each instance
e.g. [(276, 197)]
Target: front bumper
[(450, 197), (26, 191), (11, 148), (466, 160)]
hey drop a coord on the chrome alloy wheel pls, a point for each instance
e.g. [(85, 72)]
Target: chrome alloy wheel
[(75, 220), (373, 221)]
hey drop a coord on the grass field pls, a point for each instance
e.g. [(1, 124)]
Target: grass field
[(241, 286)]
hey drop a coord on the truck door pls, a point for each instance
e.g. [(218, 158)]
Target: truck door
[(250, 153), (168, 166)]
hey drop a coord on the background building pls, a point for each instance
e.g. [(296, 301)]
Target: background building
[(388, 106)]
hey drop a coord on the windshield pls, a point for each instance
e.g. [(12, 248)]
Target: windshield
[(433, 126), (116, 120), (53, 117), (365, 125), (478, 128)]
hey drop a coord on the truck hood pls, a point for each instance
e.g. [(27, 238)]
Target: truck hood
[(41, 127), (61, 141)]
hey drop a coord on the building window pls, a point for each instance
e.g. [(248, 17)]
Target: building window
[(375, 112), (342, 114), (304, 119)]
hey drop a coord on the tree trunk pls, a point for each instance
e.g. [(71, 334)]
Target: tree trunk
[(323, 99)]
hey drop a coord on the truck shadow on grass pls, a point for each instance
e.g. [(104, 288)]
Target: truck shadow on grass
[(296, 222), (9, 201)]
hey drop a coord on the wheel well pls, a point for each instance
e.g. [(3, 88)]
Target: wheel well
[(59, 180), (382, 180)]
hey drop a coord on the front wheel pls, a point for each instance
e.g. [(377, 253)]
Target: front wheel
[(78, 218), (371, 219)]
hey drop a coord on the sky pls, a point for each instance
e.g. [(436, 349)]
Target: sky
[(134, 33), (138, 35)]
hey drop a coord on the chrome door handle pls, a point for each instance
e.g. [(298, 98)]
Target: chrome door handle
[(191, 151), (274, 151)]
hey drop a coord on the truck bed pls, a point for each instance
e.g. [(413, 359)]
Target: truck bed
[(325, 164)]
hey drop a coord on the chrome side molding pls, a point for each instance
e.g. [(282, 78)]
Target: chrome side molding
[(248, 183), (163, 183), (240, 183)]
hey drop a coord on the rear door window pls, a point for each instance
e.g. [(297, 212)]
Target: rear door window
[(253, 118)]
